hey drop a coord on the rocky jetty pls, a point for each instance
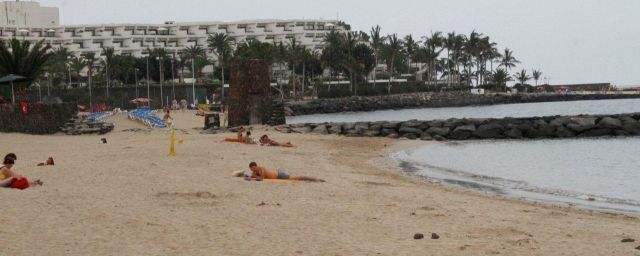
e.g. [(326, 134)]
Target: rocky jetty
[(81, 125), (476, 129), (434, 100)]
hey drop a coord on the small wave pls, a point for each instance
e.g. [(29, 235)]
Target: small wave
[(504, 186)]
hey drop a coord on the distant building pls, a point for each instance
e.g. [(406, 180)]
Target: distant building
[(30, 21)]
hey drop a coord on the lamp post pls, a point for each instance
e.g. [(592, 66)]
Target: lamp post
[(69, 68), (148, 85), (161, 81), (173, 77), (135, 70), (193, 79)]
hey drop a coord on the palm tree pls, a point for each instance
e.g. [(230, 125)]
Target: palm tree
[(411, 48), (508, 61), (220, 44), (194, 54), (23, 59), (77, 64), (57, 64), (109, 54), (523, 77), (537, 74), (500, 78), (377, 42), (394, 46)]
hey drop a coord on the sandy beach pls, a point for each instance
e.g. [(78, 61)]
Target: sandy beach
[(128, 198)]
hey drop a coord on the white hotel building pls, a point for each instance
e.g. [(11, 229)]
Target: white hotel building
[(30, 21)]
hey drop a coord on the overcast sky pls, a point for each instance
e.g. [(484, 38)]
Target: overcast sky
[(571, 41)]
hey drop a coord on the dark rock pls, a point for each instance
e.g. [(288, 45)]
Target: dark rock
[(411, 136), (349, 126), (439, 138), (543, 131), (628, 240), (418, 236), (514, 133), (391, 125), (621, 133), (372, 133), (560, 121), (361, 126), (580, 124), (632, 128), (489, 131), (610, 123), (638, 248), (426, 136), (321, 129), (385, 131), (596, 132), (411, 124), (404, 130), (393, 136), (563, 132), (435, 236), (437, 131), (305, 129), (463, 132), (335, 129)]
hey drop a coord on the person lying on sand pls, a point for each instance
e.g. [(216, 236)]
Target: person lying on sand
[(258, 172), (265, 140), (48, 162), (7, 175)]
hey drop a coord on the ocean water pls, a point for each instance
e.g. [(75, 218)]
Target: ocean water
[(601, 174), (494, 111)]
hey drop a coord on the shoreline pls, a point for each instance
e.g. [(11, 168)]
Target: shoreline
[(504, 193), (127, 198)]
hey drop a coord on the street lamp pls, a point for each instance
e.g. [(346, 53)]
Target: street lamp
[(161, 81), (135, 70), (69, 67), (148, 85), (173, 77)]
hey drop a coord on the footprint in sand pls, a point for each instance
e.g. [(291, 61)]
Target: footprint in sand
[(198, 199)]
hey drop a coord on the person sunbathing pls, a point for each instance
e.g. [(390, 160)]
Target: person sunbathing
[(7, 175), (48, 162), (265, 140), (260, 173)]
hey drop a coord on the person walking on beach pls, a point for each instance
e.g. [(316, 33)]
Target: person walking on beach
[(7, 175), (259, 172)]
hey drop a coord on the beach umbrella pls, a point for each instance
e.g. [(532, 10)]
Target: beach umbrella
[(10, 79), (140, 100)]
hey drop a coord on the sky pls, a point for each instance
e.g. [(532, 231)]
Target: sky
[(570, 41)]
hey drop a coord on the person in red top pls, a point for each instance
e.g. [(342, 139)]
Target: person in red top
[(7, 175), (258, 172)]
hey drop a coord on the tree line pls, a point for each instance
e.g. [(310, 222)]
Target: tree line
[(449, 59)]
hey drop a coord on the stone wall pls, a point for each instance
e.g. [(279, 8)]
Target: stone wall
[(472, 129), (434, 100), (40, 119)]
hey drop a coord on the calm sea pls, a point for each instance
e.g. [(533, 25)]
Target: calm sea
[(600, 173)]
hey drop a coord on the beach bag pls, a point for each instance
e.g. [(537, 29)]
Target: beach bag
[(21, 183)]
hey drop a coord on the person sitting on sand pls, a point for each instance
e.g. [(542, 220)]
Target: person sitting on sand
[(48, 162), (241, 130), (258, 172), (265, 140), (248, 139), (7, 175)]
